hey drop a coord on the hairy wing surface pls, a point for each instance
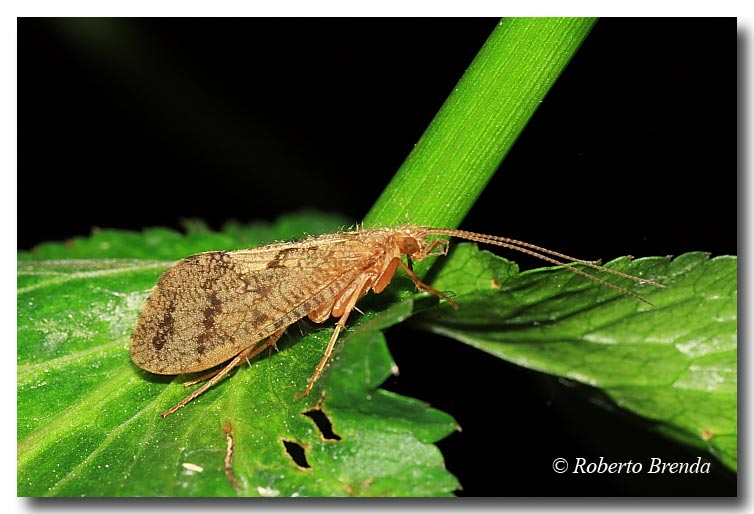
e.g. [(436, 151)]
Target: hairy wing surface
[(210, 306)]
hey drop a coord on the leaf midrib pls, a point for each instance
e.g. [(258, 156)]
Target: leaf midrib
[(61, 278)]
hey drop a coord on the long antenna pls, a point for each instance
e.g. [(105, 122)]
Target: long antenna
[(545, 255)]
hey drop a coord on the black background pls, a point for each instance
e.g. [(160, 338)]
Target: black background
[(135, 123)]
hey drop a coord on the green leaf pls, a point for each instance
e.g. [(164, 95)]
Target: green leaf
[(674, 364), (89, 421)]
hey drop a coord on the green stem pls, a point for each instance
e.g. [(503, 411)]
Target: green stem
[(464, 145)]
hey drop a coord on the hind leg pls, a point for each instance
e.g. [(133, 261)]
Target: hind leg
[(216, 375)]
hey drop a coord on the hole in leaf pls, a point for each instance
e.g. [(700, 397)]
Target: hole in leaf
[(323, 424), (297, 453)]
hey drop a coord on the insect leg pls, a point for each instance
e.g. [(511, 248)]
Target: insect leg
[(421, 286), (350, 305), (218, 375), (441, 244), (202, 378)]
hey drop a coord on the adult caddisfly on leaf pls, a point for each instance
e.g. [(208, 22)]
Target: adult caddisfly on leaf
[(221, 306)]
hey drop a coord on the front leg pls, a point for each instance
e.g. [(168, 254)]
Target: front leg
[(421, 286)]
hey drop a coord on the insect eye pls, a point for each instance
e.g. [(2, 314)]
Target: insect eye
[(408, 245)]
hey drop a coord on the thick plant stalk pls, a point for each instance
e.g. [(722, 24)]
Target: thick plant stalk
[(479, 122)]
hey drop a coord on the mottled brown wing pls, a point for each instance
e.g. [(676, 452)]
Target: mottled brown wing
[(210, 306)]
